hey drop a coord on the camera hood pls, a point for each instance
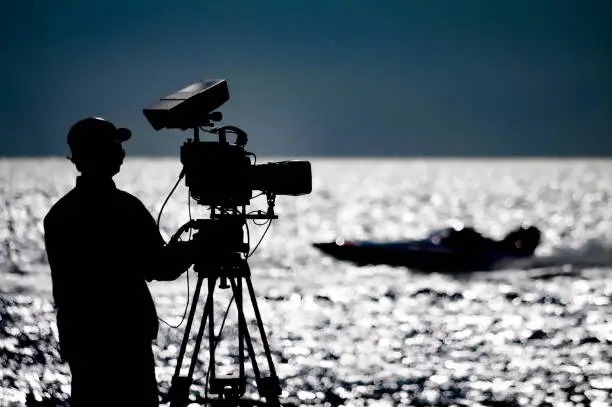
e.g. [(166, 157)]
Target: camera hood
[(189, 107)]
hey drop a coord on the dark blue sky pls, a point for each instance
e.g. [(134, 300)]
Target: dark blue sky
[(308, 78)]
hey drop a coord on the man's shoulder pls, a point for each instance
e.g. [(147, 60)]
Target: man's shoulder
[(128, 199), (63, 206), (131, 202)]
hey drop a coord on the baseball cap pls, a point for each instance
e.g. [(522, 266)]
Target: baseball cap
[(96, 129)]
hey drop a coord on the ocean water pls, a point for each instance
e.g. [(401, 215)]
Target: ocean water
[(534, 333)]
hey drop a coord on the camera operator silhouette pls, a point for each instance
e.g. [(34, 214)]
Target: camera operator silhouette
[(103, 246)]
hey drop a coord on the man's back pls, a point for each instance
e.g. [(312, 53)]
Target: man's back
[(99, 240)]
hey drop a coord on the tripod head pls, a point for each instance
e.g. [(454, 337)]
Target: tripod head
[(222, 235)]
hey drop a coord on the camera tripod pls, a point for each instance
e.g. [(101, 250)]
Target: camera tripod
[(225, 267)]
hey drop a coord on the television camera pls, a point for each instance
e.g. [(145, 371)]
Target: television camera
[(223, 176)]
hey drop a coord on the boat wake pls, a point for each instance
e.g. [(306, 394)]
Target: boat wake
[(590, 254)]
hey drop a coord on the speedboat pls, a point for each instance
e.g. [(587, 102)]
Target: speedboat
[(439, 251)]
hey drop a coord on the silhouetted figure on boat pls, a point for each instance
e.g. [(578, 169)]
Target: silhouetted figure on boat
[(520, 242), (103, 246)]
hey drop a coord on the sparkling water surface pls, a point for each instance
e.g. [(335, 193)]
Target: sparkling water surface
[(535, 333)]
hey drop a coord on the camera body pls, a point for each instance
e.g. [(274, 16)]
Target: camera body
[(221, 174), (217, 174)]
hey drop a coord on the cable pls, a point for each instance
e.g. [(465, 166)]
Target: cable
[(261, 239), (187, 272), (181, 175), (184, 312), (261, 224), (189, 208), (187, 277), (246, 224), (257, 211)]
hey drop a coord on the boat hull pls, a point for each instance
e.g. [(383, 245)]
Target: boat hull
[(419, 255)]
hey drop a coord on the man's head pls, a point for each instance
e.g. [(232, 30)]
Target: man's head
[(96, 147), (524, 239)]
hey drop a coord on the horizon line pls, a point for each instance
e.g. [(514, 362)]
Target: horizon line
[(362, 157)]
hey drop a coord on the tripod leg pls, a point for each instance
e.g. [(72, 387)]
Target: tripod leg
[(208, 308), (261, 327), (244, 335), (268, 387), (196, 295), (211, 330), (179, 390), (241, 330)]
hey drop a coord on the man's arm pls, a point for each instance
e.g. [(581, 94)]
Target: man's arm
[(56, 258), (163, 262)]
